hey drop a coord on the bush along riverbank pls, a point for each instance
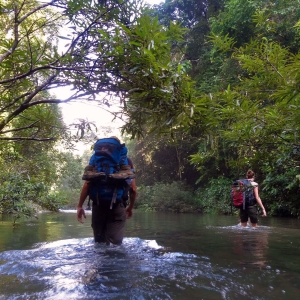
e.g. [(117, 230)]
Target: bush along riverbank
[(214, 198), (180, 198)]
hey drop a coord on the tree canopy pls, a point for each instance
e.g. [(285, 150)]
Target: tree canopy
[(111, 50), (245, 95)]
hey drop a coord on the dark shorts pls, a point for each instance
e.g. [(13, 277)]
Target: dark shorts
[(249, 212), (109, 224)]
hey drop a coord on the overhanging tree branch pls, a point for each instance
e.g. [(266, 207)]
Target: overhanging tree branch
[(24, 104), (19, 129), (106, 49), (21, 138)]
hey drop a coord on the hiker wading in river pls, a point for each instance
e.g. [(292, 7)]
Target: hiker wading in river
[(109, 183)]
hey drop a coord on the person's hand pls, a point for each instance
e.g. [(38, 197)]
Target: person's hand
[(264, 214), (80, 213), (129, 212)]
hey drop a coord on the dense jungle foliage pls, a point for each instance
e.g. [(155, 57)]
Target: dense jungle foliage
[(207, 89)]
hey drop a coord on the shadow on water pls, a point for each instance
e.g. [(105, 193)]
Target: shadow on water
[(191, 257)]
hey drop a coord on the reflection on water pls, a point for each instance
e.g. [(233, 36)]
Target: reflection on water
[(250, 245), (191, 257)]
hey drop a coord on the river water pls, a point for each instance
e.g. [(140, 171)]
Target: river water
[(163, 256)]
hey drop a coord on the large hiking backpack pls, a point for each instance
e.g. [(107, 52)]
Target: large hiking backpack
[(242, 194), (108, 171)]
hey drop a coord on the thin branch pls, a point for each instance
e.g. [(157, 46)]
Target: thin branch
[(24, 105), (275, 69), (27, 139), (19, 129), (14, 101), (35, 10), (48, 67), (15, 42), (16, 27)]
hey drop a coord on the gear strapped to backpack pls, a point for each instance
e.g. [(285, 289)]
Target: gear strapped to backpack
[(242, 194), (108, 171)]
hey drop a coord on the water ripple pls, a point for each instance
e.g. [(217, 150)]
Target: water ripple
[(138, 269)]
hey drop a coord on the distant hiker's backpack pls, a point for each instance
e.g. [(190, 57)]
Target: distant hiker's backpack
[(108, 171), (242, 194)]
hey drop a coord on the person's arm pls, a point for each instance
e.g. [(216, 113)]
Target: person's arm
[(258, 200), (83, 195), (132, 196)]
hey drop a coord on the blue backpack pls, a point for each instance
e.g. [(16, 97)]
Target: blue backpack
[(108, 171), (109, 155)]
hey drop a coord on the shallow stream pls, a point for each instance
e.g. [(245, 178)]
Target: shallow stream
[(164, 256)]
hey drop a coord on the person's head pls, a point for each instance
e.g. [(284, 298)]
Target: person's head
[(250, 174)]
